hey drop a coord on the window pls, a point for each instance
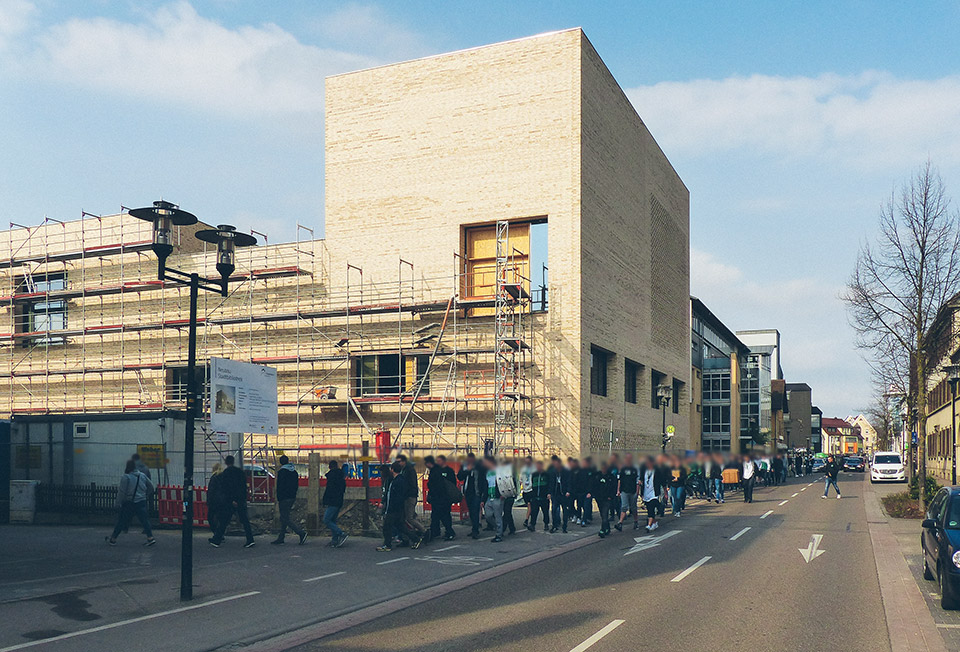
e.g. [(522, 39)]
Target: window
[(599, 359), (383, 374), (677, 391), (43, 314), (177, 383), (480, 261), (631, 374), (716, 420), (716, 386), (656, 379)]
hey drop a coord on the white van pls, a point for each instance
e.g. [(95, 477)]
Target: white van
[(887, 466)]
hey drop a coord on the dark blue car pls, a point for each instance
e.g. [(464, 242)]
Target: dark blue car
[(940, 542)]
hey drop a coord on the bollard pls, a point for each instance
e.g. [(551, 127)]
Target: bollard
[(313, 494)]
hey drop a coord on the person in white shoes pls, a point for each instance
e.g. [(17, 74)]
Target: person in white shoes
[(651, 484), (831, 472)]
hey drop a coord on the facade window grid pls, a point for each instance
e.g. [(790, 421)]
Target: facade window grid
[(631, 380), (599, 363)]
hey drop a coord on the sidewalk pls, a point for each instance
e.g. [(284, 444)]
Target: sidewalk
[(915, 620)]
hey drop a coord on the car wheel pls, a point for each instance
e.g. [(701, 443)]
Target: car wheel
[(927, 575), (948, 600)]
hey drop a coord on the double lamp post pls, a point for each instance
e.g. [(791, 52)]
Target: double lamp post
[(164, 216)]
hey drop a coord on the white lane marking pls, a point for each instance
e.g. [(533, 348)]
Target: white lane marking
[(130, 621), (323, 577), (740, 533), (784, 502), (691, 569), (812, 550), (596, 637), (795, 495), (456, 545), (379, 563), (645, 543), (805, 488), (767, 514)]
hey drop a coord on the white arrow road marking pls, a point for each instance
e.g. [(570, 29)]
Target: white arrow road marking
[(596, 637), (691, 569), (767, 514), (740, 533), (812, 551), (645, 543)]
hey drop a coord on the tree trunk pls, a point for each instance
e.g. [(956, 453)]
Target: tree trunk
[(921, 402)]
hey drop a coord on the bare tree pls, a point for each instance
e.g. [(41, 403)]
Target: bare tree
[(881, 418), (898, 286)]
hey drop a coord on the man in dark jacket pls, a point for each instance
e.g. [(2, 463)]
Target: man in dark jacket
[(333, 501), (603, 484), (539, 497), (560, 494), (408, 473), (652, 482), (288, 482), (831, 471), (474, 481), (441, 487), (235, 491), (582, 488), (394, 506)]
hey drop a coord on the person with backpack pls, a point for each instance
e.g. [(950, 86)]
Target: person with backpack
[(132, 493), (235, 490), (333, 502), (474, 479), (288, 483), (539, 497), (442, 492)]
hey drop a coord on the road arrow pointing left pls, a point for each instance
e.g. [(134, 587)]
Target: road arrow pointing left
[(645, 543), (812, 551)]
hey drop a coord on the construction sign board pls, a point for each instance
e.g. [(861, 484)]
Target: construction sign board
[(243, 397), (152, 455)]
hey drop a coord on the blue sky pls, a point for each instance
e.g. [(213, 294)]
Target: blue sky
[(790, 122)]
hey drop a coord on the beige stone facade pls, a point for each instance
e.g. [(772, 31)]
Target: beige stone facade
[(418, 154)]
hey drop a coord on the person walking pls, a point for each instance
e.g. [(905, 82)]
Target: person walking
[(216, 496), (749, 478), (716, 478), (666, 472), (539, 497), (560, 495), (777, 468), (394, 506), (582, 485), (627, 487), (132, 493), (651, 487), (235, 489), (288, 483), (831, 472), (602, 487), (525, 478), (333, 502), (412, 496), (143, 468), (473, 478), (493, 503), (441, 493), (678, 486)]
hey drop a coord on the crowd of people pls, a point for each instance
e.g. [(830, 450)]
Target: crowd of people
[(557, 494)]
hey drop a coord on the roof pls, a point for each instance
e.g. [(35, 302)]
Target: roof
[(700, 309), (799, 387), (834, 422)]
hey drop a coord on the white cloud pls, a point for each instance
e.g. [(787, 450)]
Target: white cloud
[(177, 56), (871, 120), (15, 16), (369, 27)]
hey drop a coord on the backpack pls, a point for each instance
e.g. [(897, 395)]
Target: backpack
[(505, 483), (454, 495)]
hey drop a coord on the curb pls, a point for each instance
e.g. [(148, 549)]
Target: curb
[(910, 626)]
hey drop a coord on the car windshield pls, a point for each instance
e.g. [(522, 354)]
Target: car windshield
[(886, 459), (853, 460), (952, 521)]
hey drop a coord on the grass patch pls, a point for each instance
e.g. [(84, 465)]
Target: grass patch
[(901, 505)]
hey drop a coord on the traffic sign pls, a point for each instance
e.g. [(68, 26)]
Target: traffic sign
[(671, 430)]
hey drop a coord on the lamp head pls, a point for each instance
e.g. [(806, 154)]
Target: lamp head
[(227, 240), (163, 215)]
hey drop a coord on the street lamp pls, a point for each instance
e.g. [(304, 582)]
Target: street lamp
[(164, 215), (664, 393), (953, 377)]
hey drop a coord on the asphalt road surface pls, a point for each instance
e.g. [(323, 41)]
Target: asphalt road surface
[(725, 577)]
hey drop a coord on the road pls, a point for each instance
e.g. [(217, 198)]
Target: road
[(704, 588), (726, 576)]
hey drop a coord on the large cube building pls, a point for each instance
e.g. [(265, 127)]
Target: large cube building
[(505, 264)]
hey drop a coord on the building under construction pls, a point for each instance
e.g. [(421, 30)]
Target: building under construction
[(505, 265)]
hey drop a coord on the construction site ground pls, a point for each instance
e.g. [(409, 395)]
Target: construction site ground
[(64, 588)]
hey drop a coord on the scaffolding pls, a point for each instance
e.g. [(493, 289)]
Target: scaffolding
[(91, 330)]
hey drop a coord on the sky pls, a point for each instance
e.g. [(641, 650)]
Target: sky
[(790, 122)]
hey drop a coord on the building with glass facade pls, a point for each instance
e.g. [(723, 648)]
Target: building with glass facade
[(716, 357), (761, 367)]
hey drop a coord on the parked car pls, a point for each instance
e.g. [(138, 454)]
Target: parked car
[(887, 467), (854, 463), (818, 464), (940, 545)]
